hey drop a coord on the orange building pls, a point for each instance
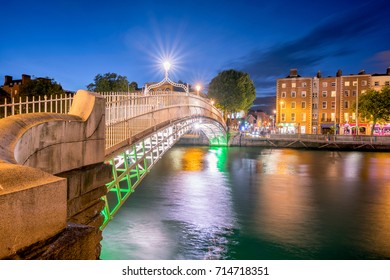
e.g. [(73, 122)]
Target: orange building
[(322, 105)]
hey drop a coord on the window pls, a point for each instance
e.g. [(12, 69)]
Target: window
[(315, 94), (293, 85), (354, 83), (303, 93), (323, 117), (346, 93), (333, 93), (387, 83), (303, 104), (364, 83), (283, 117), (304, 84), (354, 93), (346, 117), (303, 117), (333, 84), (324, 93), (346, 104), (353, 116), (293, 105), (283, 94), (376, 83), (283, 85), (293, 94), (333, 117), (324, 84), (283, 105), (315, 106), (346, 84), (315, 116), (293, 117), (333, 105), (324, 105)]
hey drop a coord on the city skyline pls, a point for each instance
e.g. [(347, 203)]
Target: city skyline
[(74, 41)]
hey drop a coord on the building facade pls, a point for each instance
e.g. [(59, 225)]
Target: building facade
[(323, 105), (13, 86)]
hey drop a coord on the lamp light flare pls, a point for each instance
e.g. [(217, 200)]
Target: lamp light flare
[(167, 65)]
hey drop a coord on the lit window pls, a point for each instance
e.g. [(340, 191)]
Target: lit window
[(303, 117), (324, 84), (283, 85), (293, 85), (333, 93), (333, 117), (364, 83), (346, 83)]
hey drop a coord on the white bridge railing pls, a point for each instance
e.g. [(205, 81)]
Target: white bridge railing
[(36, 104), (127, 114), (130, 114)]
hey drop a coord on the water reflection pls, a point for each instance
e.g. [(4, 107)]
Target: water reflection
[(248, 203)]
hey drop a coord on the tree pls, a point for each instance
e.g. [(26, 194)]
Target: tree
[(232, 91), (374, 106), (40, 87), (109, 82), (133, 86)]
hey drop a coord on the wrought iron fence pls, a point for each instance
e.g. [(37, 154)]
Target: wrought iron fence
[(60, 103)]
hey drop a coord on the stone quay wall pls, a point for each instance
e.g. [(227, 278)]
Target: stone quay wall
[(52, 178)]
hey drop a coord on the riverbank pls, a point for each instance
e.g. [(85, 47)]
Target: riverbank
[(299, 141)]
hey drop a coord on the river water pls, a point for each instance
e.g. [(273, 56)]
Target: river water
[(253, 203)]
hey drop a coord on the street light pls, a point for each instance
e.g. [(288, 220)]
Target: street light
[(281, 107), (197, 87), (274, 121)]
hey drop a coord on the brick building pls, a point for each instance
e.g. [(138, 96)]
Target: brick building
[(321, 105)]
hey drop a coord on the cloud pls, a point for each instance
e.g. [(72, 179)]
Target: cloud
[(336, 37)]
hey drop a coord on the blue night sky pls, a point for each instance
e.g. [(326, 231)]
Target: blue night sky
[(73, 41)]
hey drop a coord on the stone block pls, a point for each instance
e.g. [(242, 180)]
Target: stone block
[(32, 206)]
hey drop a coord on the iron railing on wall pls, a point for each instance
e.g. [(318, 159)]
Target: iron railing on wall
[(60, 103)]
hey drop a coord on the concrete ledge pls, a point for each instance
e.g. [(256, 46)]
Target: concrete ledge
[(32, 207)]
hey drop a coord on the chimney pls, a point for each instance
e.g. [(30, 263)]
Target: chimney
[(293, 72), (388, 71), (319, 74), (339, 73), (362, 72), (7, 80), (25, 78)]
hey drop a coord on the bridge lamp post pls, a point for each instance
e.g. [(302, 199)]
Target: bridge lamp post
[(167, 66), (197, 87)]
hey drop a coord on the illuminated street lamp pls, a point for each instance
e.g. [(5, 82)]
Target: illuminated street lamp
[(167, 65), (281, 107), (197, 87)]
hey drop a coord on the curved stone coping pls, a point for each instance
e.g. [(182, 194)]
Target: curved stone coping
[(56, 142), (14, 127)]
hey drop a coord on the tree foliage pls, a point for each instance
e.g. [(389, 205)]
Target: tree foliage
[(40, 87), (109, 82), (374, 106), (232, 91)]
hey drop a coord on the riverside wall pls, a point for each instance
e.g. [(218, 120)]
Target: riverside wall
[(52, 178), (311, 142)]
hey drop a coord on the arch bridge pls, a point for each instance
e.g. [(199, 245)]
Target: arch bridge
[(141, 128)]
